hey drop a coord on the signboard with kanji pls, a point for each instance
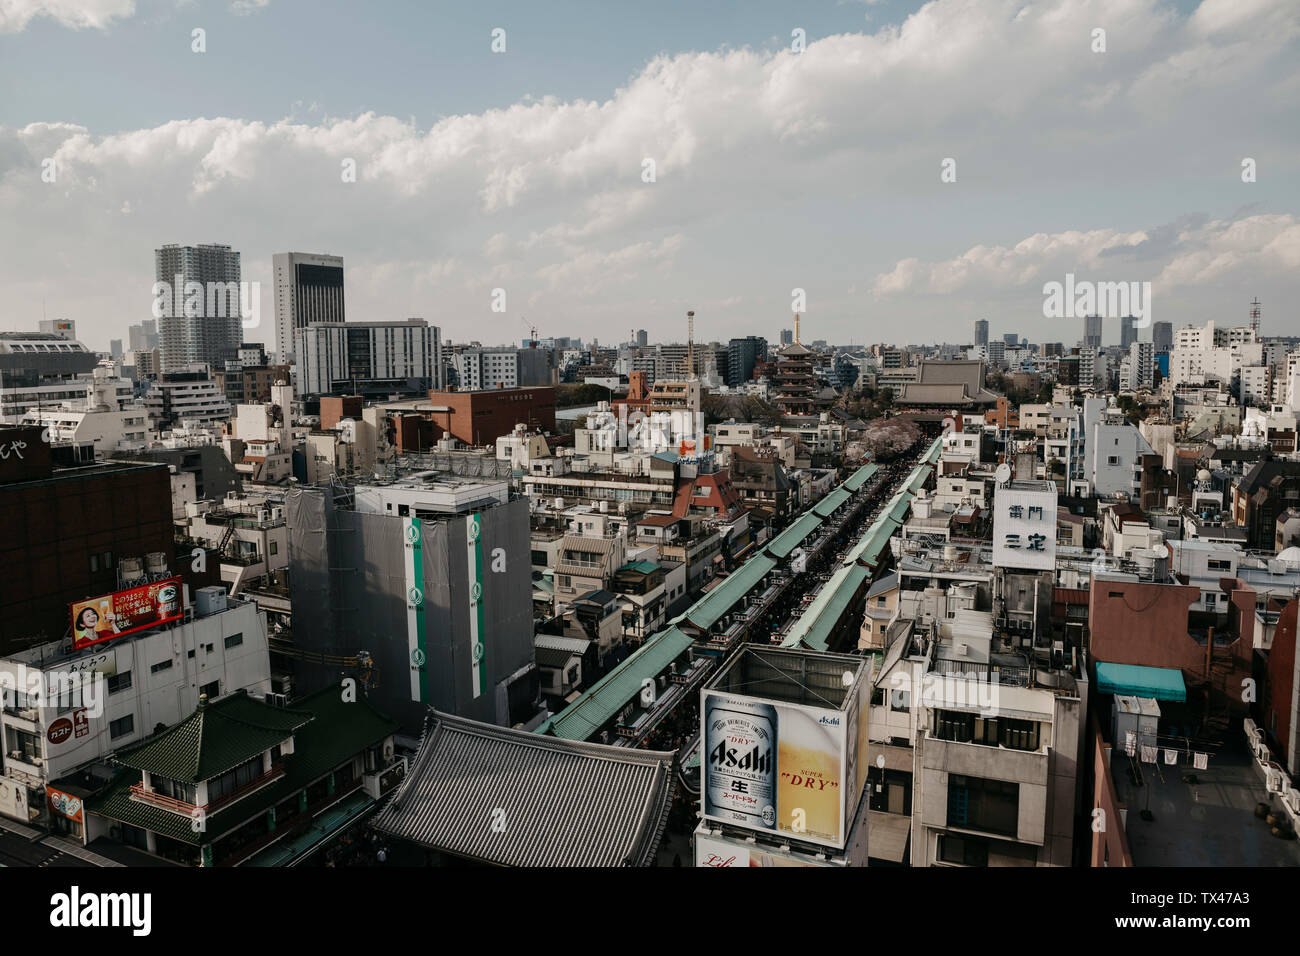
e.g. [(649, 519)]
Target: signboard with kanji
[(1024, 526)]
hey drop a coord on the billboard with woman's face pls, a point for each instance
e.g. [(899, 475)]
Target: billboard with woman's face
[(123, 612)]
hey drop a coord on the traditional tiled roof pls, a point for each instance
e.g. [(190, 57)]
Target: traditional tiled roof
[(336, 730), (511, 798), (215, 738)]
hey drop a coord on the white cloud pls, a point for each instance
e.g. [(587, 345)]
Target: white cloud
[(754, 151), (76, 14)]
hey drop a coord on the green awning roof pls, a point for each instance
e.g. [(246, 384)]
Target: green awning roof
[(793, 536), (1162, 683), (814, 628), (706, 612), (860, 477), (586, 715), (831, 502)]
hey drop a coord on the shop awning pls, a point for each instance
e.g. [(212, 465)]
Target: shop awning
[(1161, 683), (887, 835)]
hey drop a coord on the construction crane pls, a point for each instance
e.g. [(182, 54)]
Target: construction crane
[(532, 332)]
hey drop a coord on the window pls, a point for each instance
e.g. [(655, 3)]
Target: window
[(212, 690), (106, 559), (1112, 459), (176, 789), (121, 727), (234, 640), (232, 780), (979, 804), (963, 850), (119, 682), (94, 563), (275, 547), (160, 666)]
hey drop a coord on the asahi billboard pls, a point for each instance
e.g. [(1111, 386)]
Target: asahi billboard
[(777, 767), (123, 612)]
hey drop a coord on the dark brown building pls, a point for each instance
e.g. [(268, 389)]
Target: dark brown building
[(63, 531)]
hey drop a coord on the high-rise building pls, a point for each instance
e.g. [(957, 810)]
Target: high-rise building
[(143, 337), (742, 356), (308, 289), (1092, 332), (642, 339), (1162, 336), (981, 331), (1011, 339), (115, 349), (198, 328), (787, 336), (1127, 332)]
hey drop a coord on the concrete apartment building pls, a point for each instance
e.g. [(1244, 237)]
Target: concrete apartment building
[(150, 679)]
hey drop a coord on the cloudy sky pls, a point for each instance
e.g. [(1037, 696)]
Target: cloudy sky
[(774, 169)]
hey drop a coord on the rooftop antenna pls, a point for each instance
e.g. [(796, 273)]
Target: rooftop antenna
[(1254, 316)]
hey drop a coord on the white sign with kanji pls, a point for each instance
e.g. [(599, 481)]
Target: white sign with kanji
[(1024, 527)]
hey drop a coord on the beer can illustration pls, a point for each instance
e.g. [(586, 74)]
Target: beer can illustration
[(740, 761), (168, 601)]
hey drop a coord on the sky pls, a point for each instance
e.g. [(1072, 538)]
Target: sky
[(907, 167)]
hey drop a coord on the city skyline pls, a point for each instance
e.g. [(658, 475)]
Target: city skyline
[(529, 174)]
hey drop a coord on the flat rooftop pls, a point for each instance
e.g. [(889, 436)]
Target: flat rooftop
[(1208, 823)]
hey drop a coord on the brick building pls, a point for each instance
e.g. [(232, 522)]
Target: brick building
[(480, 418)]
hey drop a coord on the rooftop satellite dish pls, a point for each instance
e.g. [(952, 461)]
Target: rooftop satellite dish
[(1003, 474)]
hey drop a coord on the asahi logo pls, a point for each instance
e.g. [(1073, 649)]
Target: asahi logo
[(755, 759)]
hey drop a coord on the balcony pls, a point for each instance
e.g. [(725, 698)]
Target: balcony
[(140, 795)]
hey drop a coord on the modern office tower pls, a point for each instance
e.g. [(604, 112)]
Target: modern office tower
[(63, 328), (1011, 339), (1053, 349), (981, 331), (308, 289), (115, 349), (197, 328), (787, 336), (742, 356), (642, 338), (1127, 332), (1092, 332), (349, 358), (1162, 336)]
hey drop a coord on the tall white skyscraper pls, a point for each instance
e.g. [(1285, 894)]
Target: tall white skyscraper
[(198, 323), (308, 290)]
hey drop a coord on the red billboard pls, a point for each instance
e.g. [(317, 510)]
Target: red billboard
[(123, 612)]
